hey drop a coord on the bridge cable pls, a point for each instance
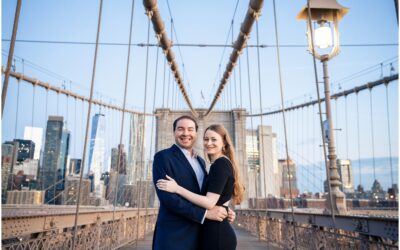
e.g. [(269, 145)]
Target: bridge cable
[(372, 132), (17, 109), (347, 127), (366, 86), (151, 142), (358, 144), (10, 56), (321, 124), (254, 10), (163, 90), (261, 120), (75, 130), (87, 125), (240, 83), (119, 147), (158, 26), (389, 136), (218, 74), (33, 107), (284, 121), (56, 89), (180, 53), (46, 115), (234, 71), (142, 156), (252, 130)]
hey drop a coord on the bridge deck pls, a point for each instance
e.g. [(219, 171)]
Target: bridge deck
[(246, 241)]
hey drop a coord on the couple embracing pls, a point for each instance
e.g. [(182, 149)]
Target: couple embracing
[(194, 211)]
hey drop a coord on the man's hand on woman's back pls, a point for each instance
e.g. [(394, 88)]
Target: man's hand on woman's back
[(217, 213)]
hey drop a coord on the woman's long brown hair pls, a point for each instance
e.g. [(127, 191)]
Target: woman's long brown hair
[(229, 151)]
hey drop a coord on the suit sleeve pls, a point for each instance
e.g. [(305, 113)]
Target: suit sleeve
[(172, 201)]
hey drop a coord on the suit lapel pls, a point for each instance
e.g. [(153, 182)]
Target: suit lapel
[(203, 167), (182, 158)]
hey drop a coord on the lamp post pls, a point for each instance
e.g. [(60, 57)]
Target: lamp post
[(325, 14)]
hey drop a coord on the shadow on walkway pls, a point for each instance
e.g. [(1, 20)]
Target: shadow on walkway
[(246, 241)]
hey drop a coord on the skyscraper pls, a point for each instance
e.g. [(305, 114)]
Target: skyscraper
[(136, 156), (263, 162), (55, 155), (96, 153), (34, 134)]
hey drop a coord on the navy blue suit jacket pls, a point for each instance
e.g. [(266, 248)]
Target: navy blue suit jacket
[(179, 221)]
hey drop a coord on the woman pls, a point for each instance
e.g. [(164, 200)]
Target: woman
[(222, 185)]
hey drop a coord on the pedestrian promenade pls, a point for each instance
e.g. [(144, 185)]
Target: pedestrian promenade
[(246, 241)]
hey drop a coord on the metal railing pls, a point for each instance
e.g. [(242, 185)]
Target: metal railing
[(45, 228), (315, 231)]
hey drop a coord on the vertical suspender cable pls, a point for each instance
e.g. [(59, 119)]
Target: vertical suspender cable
[(163, 90), (75, 132), (252, 126), (17, 109), (347, 129), (372, 132), (240, 83), (87, 126), (234, 72), (389, 136), (33, 106), (119, 147), (149, 13), (358, 143), (46, 114), (261, 117), (151, 140), (284, 122), (10, 56)]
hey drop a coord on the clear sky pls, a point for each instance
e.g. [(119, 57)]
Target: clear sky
[(202, 22)]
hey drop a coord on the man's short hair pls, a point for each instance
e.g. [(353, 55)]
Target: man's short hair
[(185, 117)]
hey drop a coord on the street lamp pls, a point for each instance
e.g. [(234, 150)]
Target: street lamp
[(324, 15)]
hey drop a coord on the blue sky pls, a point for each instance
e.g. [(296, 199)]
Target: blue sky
[(205, 22)]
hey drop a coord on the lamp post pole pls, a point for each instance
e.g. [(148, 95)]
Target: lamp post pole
[(338, 197)]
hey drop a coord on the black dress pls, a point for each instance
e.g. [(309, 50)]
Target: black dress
[(219, 235)]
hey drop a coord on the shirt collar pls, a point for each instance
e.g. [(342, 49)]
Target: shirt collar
[(186, 152)]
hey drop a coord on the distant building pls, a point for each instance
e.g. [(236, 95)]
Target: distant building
[(8, 159), (141, 194), (74, 166), (32, 197), (136, 149), (54, 165), (253, 163), (346, 175), (72, 189), (122, 160), (116, 188), (264, 174), (28, 167), (34, 134), (288, 177), (96, 152), (26, 149)]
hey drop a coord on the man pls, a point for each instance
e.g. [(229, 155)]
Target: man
[(179, 221)]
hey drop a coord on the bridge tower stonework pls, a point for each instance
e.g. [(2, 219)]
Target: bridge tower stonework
[(234, 121)]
